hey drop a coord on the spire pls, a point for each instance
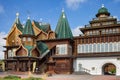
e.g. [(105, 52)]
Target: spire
[(17, 18), (103, 6), (28, 29), (28, 17), (63, 29), (62, 9), (63, 13), (17, 22), (17, 15)]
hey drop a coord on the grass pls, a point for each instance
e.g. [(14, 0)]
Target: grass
[(32, 78), (11, 77)]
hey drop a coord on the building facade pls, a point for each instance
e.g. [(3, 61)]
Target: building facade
[(36, 48), (98, 49)]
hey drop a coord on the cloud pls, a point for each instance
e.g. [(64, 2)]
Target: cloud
[(74, 4), (2, 43), (76, 31), (2, 9)]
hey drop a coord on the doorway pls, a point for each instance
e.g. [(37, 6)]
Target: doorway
[(109, 69)]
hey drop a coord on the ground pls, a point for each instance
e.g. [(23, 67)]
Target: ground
[(64, 77)]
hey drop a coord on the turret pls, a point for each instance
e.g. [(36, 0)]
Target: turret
[(102, 12), (28, 36), (63, 29)]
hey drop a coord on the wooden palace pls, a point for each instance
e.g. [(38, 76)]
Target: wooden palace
[(35, 47)]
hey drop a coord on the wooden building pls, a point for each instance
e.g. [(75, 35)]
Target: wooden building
[(97, 51), (37, 48)]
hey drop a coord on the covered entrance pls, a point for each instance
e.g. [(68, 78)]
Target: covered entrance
[(109, 69)]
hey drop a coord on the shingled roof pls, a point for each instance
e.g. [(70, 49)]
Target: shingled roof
[(28, 29), (43, 26), (18, 23), (63, 29), (42, 48)]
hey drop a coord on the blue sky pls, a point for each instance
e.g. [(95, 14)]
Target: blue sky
[(79, 12)]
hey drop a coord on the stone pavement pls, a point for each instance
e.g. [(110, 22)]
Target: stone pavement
[(65, 77), (82, 77)]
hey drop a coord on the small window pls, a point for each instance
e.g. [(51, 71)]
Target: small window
[(61, 49), (9, 53), (29, 39), (24, 39)]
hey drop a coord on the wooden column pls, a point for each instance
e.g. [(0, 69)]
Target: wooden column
[(18, 65), (6, 65), (29, 69)]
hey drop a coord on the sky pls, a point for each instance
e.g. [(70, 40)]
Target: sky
[(78, 12)]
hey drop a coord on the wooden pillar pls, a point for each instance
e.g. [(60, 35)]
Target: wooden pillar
[(17, 65), (6, 65), (29, 69), (13, 66)]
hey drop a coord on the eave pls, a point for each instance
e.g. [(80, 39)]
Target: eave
[(13, 46), (62, 56), (103, 20), (51, 40), (26, 58), (97, 36), (103, 54), (99, 27), (27, 35)]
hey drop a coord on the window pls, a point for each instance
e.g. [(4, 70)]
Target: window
[(102, 47), (24, 38), (86, 48), (107, 31), (94, 47), (106, 47), (9, 53), (119, 46), (110, 30), (110, 47), (61, 49), (90, 47), (115, 46), (117, 30), (99, 47), (83, 48), (29, 39), (78, 48), (90, 33), (114, 30), (103, 31)]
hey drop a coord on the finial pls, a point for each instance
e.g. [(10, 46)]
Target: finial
[(62, 9), (41, 19), (102, 5), (28, 17), (17, 14), (63, 15), (28, 13)]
